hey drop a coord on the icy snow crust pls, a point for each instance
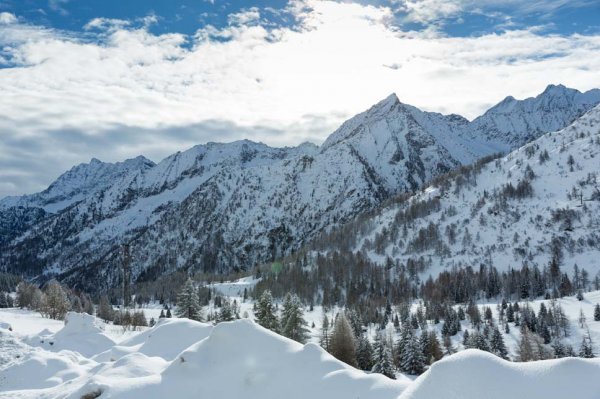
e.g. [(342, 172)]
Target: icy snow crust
[(243, 360)]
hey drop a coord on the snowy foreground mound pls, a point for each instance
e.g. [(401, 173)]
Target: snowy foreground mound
[(477, 374), (185, 359), (180, 358)]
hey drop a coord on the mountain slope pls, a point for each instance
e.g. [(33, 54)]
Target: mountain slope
[(218, 207), (541, 199)]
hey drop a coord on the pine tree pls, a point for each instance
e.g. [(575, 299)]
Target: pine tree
[(162, 314), (343, 344), (382, 359), (597, 312), (3, 300), (188, 303), (293, 324), (364, 354), (265, 312), (430, 346), (412, 361), (510, 314), (497, 345), (466, 339), (587, 348), (226, 313)]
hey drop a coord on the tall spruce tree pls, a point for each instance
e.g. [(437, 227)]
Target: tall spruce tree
[(597, 312), (364, 354), (497, 345), (293, 324), (382, 358), (188, 304), (265, 312), (412, 360)]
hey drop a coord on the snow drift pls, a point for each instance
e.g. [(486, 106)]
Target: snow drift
[(473, 374), (241, 359), (81, 333), (166, 339)]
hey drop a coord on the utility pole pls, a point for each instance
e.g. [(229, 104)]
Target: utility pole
[(126, 276)]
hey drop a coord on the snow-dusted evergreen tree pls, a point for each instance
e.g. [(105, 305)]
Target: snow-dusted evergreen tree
[(406, 333), (497, 345), (597, 312), (411, 358), (430, 344), (226, 313), (343, 344), (382, 357), (188, 304), (587, 348), (293, 324), (265, 312), (364, 354)]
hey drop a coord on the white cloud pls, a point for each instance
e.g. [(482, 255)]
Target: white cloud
[(303, 81), (251, 15), (7, 18)]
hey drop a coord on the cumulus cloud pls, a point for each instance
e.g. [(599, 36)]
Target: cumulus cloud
[(128, 91), (7, 18)]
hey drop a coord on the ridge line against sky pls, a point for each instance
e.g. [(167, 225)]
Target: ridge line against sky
[(114, 82)]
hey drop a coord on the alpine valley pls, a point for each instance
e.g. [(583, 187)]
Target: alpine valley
[(228, 207)]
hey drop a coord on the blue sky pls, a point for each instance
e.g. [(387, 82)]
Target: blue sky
[(115, 79), (467, 18)]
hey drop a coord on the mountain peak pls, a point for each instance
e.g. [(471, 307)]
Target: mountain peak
[(556, 89)]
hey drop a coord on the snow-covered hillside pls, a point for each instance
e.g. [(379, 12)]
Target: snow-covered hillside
[(186, 359), (218, 207), (514, 210)]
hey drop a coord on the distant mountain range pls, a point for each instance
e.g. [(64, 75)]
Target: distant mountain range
[(223, 207)]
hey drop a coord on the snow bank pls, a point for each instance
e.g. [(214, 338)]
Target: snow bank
[(473, 374), (42, 369), (243, 360), (166, 340), (81, 333)]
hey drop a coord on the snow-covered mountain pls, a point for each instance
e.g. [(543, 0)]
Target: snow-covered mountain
[(538, 201), (218, 207), (512, 123)]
